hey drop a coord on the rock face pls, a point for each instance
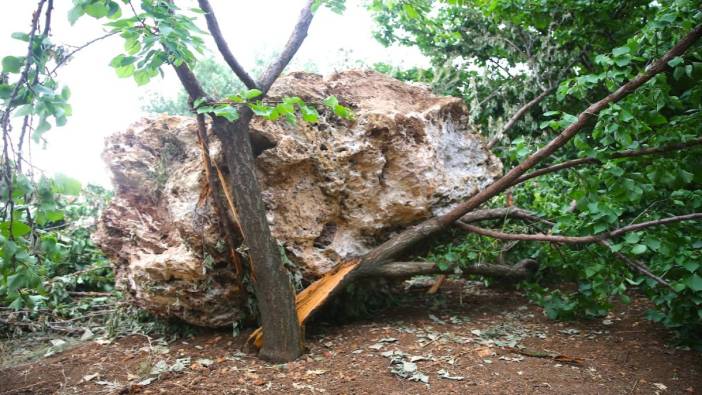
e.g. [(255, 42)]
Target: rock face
[(333, 189)]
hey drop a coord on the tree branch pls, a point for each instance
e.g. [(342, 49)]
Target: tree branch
[(294, 42), (311, 298), (520, 270), (68, 56), (616, 155), (409, 237), (635, 265), (213, 27), (517, 116), (501, 213), (189, 81), (576, 239)]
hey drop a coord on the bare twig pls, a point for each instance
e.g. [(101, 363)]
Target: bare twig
[(68, 56)]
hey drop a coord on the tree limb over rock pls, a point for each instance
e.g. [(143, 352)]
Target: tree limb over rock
[(384, 253)]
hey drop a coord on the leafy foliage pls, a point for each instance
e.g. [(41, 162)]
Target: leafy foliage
[(503, 53), (46, 248)]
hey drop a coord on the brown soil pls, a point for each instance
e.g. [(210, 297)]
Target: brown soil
[(465, 331)]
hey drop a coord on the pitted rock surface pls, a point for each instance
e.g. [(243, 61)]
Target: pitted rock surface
[(333, 189)]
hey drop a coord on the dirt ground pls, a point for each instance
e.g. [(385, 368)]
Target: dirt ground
[(466, 339)]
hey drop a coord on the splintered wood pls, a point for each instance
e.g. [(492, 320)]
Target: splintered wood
[(312, 297)]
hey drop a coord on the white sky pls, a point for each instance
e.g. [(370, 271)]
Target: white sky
[(103, 103)]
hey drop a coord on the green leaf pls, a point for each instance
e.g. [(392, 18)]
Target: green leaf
[(19, 228), (410, 11), (125, 71), (695, 282), (675, 61), (622, 61), (66, 93), (261, 110), (12, 64), (331, 102), (197, 102), (632, 238), (5, 91), (691, 266), (205, 109), (342, 112), (20, 36), (142, 77), (43, 126), (309, 114), (252, 94), (96, 9), (619, 51), (639, 249), (228, 112)]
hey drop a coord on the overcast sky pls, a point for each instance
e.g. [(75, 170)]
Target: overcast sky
[(103, 103)]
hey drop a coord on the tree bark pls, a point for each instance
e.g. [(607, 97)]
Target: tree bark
[(274, 291)]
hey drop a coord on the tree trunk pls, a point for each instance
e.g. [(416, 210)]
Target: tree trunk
[(274, 292)]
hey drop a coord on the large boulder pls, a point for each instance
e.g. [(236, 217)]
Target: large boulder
[(333, 189)]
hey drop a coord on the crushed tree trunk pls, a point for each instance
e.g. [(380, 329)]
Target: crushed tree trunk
[(333, 190)]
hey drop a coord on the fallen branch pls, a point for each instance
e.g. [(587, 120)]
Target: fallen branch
[(635, 265), (519, 271), (311, 298), (617, 155), (546, 354), (502, 213), (495, 234)]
